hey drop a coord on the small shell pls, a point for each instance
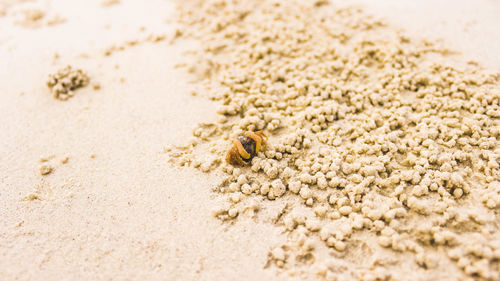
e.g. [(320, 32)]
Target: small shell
[(245, 148)]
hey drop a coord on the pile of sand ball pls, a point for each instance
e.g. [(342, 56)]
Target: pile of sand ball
[(65, 81), (376, 140)]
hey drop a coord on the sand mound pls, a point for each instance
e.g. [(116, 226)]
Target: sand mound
[(65, 81), (376, 140)]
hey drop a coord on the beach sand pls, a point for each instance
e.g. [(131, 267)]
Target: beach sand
[(86, 188)]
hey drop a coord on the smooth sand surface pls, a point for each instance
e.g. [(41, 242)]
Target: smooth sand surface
[(117, 209)]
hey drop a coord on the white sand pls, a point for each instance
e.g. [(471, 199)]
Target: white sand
[(126, 213)]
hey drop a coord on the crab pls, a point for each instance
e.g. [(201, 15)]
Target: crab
[(245, 148)]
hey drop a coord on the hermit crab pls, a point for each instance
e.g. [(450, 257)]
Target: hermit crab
[(245, 148)]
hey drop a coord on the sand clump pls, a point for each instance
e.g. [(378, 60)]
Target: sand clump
[(49, 162), (65, 81), (33, 15), (46, 169), (376, 140), (151, 38)]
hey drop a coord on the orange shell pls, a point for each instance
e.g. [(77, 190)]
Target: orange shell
[(233, 157)]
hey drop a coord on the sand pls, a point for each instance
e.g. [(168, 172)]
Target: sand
[(112, 205)]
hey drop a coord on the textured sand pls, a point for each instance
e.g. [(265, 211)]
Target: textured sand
[(116, 209)]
